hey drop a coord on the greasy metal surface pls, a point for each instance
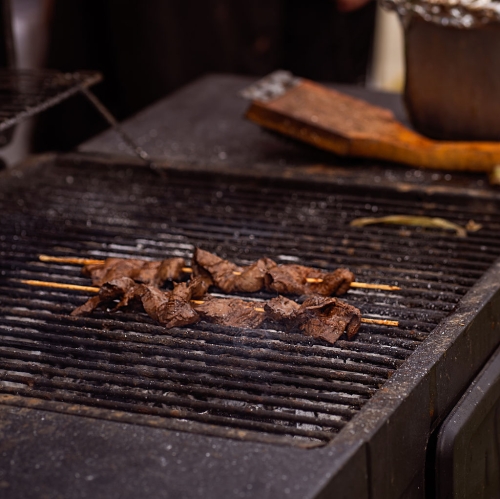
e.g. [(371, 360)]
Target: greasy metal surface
[(257, 381), (24, 93), (420, 391), (202, 125)]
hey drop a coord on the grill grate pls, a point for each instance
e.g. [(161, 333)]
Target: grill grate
[(257, 384), (24, 93)]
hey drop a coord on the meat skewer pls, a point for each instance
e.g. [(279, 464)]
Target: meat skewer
[(93, 289), (189, 270), (318, 316)]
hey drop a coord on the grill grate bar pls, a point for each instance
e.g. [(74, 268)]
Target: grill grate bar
[(166, 386), (213, 343), (167, 413), (26, 359), (470, 265), (82, 348), (122, 326), (112, 392)]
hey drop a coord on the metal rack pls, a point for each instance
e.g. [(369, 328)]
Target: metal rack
[(25, 93)]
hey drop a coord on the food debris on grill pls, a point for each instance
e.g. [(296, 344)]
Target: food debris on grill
[(154, 273), (320, 317), (288, 279)]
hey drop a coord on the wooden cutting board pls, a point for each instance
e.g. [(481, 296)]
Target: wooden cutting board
[(347, 126)]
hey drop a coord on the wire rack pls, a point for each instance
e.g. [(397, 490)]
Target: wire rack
[(24, 93)]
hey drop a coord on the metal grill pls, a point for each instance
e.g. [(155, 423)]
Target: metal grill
[(267, 385), (24, 93)]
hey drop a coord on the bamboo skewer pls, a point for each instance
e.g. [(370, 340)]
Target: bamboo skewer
[(93, 289), (189, 270)]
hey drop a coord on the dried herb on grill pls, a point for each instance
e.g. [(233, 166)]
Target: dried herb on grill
[(154, 273), (266, 274)]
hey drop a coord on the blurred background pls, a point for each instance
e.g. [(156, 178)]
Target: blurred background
[(147, 49)]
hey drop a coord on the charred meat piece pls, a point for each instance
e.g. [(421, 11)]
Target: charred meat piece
[(318, 316), (231, 312), (115, 289), (169, 308), (228, 276), (152, 273), (293, 280)]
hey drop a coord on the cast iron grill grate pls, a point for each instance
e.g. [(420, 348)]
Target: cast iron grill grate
[(24, 93), (258, 384)]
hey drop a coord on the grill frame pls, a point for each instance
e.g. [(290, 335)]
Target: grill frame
[(423, 390)]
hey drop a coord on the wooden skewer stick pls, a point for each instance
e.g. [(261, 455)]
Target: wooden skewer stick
[(189, 270), (92, 289), (60, 285)]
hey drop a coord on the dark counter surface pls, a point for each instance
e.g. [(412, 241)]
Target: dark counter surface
[(203, 125)]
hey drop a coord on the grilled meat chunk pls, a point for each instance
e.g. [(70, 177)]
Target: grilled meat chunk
[(115, 289), (231, 312), (169, 308), (228, 276), (318, 316), (154, 273)]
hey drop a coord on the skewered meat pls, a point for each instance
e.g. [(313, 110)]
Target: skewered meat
[(154, 273), (266, 274), (318, 316), (169, 308)]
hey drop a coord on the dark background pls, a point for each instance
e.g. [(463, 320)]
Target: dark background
[(149, 48)]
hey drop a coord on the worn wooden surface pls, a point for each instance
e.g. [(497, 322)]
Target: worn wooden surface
[(347, 126)]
